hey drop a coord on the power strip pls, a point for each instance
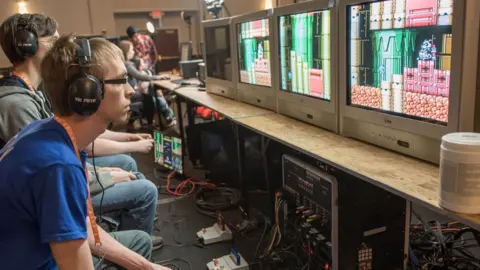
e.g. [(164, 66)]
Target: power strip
[(233, 261), (214, 234)]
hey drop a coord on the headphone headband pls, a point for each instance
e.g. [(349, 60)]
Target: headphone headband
[(83, 52), (85, 91)]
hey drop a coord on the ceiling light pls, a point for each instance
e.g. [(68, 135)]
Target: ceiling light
[(22, 7), (150, 27)]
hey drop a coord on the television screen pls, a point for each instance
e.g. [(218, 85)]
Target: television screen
[(254, 52), (218, 57), (168, 152), (305, 54), (399, 57)]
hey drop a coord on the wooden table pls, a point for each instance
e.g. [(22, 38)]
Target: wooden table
[(168, 84), (406, 177), (229, 108), (410, 178)]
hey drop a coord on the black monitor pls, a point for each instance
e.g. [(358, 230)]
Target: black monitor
[(168, 152)]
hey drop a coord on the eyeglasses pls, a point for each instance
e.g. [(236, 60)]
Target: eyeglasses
[(123, 80)]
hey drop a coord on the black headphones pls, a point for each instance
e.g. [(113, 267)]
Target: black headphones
[(25, 38), (85, 91)]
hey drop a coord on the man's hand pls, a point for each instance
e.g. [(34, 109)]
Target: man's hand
[(122, 176), (139, 136), (159, 267), (144, 146), (109, 169)]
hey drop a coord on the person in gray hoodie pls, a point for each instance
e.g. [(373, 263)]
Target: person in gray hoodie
[(139, 78), (21, 103)]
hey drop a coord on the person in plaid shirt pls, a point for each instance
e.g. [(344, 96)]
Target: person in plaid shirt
[(144, 48)]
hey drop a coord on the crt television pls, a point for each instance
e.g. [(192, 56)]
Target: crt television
[(218, 57), (253, 46), (168, 152), (305, 62), (408, 72)]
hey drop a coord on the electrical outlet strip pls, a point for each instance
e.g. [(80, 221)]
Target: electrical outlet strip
[(214, 234), (233, 261)]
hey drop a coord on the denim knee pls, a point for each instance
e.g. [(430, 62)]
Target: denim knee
[(127, 163), (139, 175), (148, 191), (143, 244)]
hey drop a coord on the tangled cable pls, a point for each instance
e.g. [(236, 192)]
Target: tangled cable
[(210, 199), (179, 190), (442, 246)]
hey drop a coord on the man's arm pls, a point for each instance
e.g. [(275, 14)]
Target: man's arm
[(72, 255), (116, 252), (115, 136), (108, 147), (60, 195), (140, 76), (16, 116)]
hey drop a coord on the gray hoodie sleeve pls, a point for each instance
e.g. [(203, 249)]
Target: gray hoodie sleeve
[(15, 115), (104, 177), (133, 71)]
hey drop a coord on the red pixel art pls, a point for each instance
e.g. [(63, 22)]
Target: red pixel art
[(421, 12), (316, 82)]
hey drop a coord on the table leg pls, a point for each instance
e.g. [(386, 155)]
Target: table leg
[(264, 141), (157, 105), (190, 113), (240, 138), (178, 101)]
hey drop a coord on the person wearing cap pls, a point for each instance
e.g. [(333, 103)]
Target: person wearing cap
[(144, 48)]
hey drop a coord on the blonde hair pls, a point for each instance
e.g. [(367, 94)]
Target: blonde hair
[(57, 73), (125, 46)]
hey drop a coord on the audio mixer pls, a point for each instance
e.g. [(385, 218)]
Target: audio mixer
[(340, 222)]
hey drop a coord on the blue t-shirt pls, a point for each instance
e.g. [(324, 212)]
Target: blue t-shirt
[(43, 195)]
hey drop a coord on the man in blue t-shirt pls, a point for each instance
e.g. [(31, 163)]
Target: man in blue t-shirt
[(132, 203), (43, 184)]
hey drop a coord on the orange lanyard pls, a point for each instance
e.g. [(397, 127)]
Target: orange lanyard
[(91, 214), (27, 82)]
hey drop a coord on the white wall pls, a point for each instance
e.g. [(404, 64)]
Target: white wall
[(73, 16), (170, 20)]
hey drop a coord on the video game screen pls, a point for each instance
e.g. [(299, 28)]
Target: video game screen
[(305, 66), (254, 52), (218, 55), (168, 152), (399, 57)]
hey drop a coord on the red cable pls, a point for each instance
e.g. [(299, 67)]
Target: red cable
[(179, 190)]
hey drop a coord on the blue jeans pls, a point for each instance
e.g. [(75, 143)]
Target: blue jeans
[(121, 161), (136, 201), (164, 108), (137, 241)]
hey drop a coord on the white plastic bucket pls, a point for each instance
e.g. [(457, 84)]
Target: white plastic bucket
[(460, 172)]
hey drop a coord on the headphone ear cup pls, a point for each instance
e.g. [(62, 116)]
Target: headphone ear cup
[(85, 94), (26, 43)]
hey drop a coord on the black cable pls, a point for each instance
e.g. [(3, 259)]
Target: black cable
[(265, 228), (209, 200), (167, 262), (98, 179)]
